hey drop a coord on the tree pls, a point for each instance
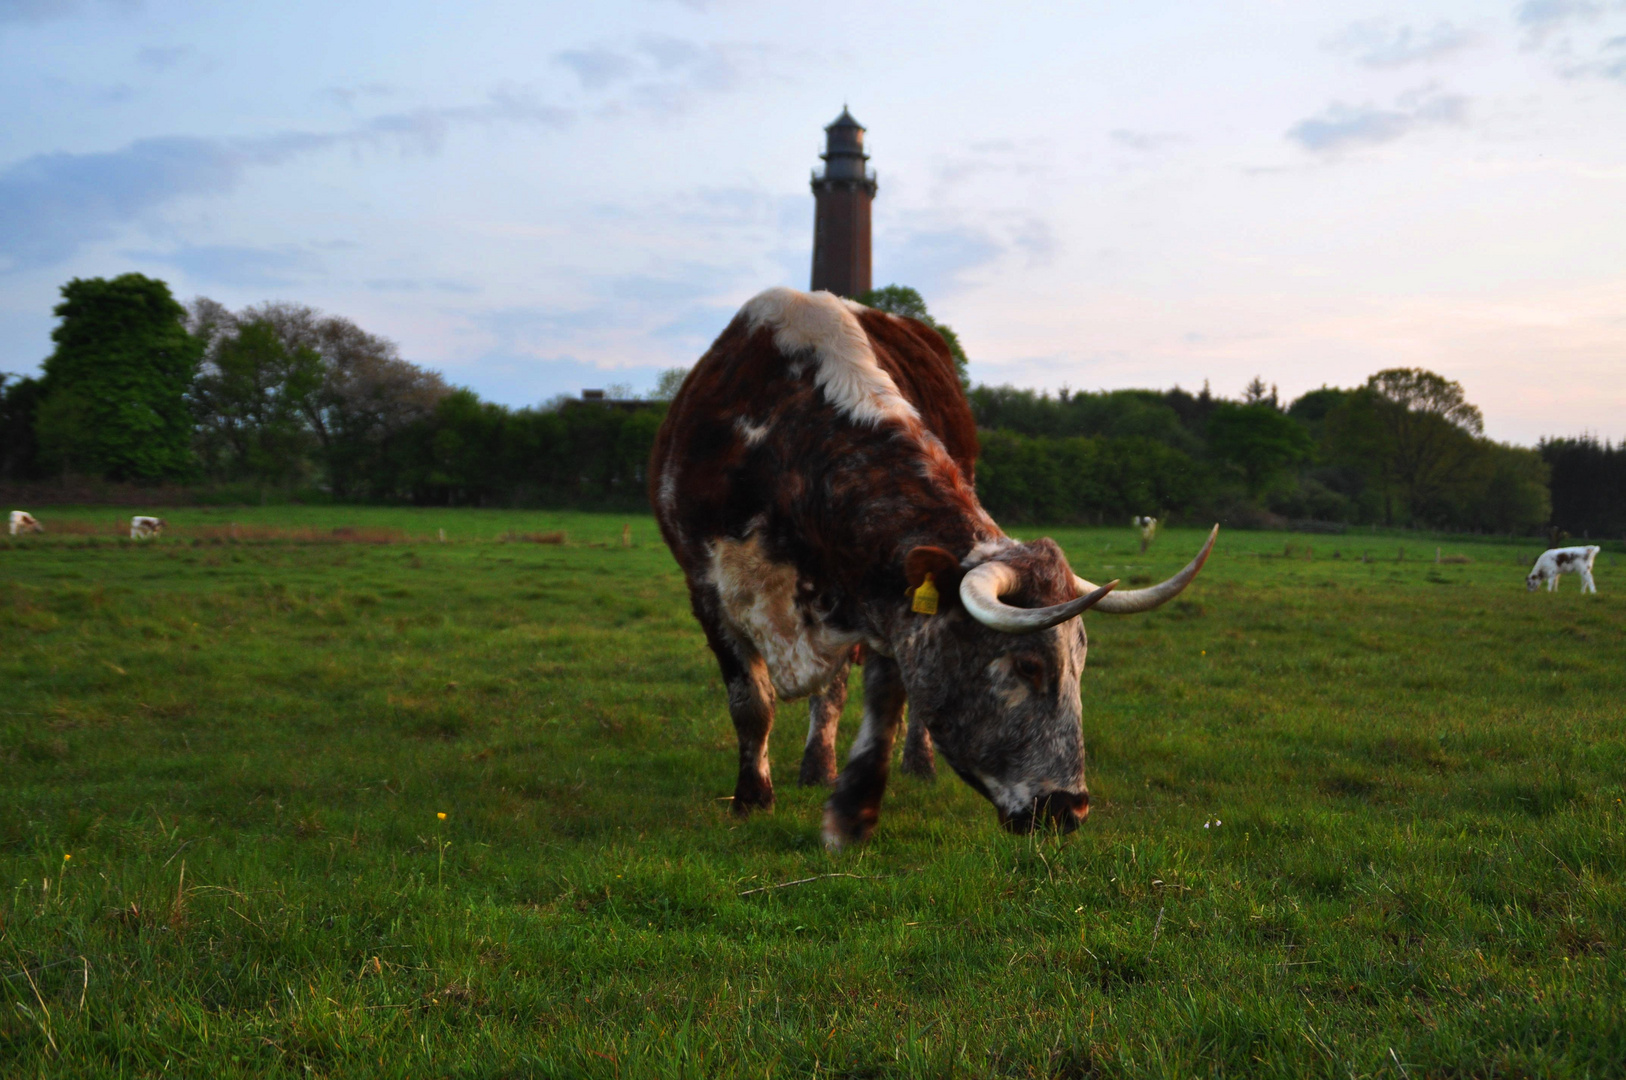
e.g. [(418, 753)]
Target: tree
[(902, 300), (1312, 408), (19, 450), (1430, 431), (114, 390), (1258, 440), (251, 400), (366, 397), (667, 384), (1255, 393)]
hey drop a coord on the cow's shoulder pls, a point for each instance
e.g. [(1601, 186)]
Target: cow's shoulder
[(919, 363)]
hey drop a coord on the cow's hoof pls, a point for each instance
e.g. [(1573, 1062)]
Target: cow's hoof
[(818, 770), (750, 797), (842, 830)]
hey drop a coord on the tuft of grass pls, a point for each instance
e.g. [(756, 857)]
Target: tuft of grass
[(1346, 822)]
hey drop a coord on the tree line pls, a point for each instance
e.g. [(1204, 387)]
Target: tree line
[(279, 398), (1405, 448)]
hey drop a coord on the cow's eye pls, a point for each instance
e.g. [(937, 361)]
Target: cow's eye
[(1029, 670)]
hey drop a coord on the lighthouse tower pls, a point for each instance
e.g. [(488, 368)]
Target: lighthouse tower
[(842, 198)]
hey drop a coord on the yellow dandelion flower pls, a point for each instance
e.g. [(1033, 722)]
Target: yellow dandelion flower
[(441, 814), (66, 856)]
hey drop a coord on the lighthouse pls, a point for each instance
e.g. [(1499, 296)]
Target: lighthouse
[(841, 198)]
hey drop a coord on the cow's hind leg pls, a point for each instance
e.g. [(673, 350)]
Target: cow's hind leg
[(851, 813), (823, 718), (751, 707), (918, 757)]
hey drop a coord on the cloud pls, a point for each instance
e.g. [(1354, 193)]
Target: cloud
[(1376, 43), (1542, 18), (51, 205), (227, 265), (347, 96), (1342, 127), (934, 259), (413, 285), (162, 57), (657, 73), (1144, 141), (44, 10), (597, 67)]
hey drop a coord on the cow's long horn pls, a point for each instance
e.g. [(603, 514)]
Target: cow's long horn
[(982, 587), (1134, 601)]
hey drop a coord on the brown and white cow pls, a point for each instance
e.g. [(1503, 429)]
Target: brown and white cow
[(24, 522), (143, 527), (813, 471)]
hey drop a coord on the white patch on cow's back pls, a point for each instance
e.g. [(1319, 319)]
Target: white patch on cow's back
[(847, 371), (986, 550), (758, 599)]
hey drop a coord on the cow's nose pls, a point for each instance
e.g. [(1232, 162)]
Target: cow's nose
[(1067, 808), (1060, 809)]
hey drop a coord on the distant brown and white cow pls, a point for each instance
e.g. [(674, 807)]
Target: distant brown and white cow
[(23, 522), (1570, 560), (814, 479), (144, 528)]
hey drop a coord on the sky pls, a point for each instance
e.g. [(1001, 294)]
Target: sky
[(535, 198)]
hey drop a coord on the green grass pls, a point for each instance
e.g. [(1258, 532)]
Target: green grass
[(1350, 819)]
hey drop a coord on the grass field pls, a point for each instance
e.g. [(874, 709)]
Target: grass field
[(1350, 819)]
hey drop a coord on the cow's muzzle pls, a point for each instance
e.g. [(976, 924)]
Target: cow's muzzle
[(1062, 810)]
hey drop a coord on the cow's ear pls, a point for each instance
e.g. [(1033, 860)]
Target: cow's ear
[(940, 564)]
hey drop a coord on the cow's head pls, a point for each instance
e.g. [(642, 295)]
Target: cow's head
[(995, 673)]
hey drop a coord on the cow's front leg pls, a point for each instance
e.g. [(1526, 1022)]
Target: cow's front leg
[(918, 757), (851, 813), (823, 718)]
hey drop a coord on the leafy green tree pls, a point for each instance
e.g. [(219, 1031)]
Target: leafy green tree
[(1259, 440), (19, 449), (1419, 436), (902, 300), (1515, 496), (668, 383), (251, 401), (367, 399), (114, 390)]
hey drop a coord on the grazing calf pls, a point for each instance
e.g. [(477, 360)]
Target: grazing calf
[(1570, 560), (1148, 531), (813, 479), (23, 522), (144, 528)]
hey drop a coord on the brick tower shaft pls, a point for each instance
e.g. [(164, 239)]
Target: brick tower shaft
[(842, 197)]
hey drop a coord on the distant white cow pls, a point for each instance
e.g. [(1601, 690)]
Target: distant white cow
[(23, 522), (1572, 560), (143, 528)]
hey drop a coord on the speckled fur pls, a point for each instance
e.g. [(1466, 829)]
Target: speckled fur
[(791, 511)]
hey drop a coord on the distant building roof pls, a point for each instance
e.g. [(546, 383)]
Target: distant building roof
[(844, 120), (597, 398)]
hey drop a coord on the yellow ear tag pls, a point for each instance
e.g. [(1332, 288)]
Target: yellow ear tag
[(925, 598)]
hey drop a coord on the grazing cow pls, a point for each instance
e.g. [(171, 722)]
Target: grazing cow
[(23, 522), (143, 528), (813, 478), (1148, 530), (1570, 560)]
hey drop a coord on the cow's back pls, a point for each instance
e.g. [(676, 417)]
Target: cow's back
[(751, 428)]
